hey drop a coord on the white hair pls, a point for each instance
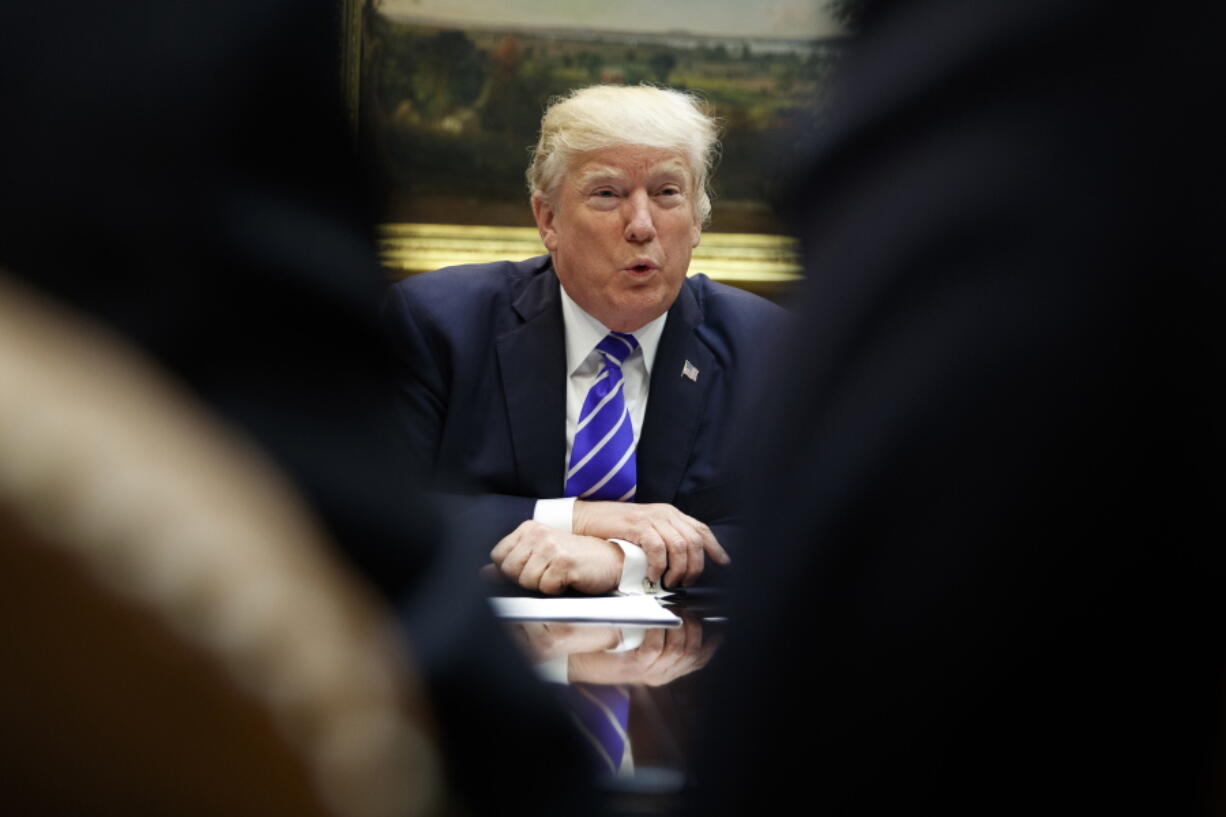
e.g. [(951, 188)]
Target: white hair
[(603, 116)]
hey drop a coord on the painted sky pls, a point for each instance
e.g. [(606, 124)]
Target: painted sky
[(729, 18)]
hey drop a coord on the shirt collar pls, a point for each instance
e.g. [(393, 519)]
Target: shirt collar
[(583, 332)]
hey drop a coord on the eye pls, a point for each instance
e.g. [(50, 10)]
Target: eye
[(604, 198), (670, 190)]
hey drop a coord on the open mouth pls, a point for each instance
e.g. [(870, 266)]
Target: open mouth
[(641, 267)]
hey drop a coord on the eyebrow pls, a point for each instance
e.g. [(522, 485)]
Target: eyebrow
[(608, 172)]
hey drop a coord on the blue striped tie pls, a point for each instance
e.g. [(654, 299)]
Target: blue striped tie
[(602, 457), (602, 714)]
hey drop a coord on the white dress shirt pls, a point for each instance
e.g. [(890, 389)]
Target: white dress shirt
[(583, 365)]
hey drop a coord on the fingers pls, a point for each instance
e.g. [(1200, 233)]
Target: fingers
[(661, 531), (553, 580), (687, 542), (680, 652), (513, 562), (507, 543), (704, 655), (532, 571), (544, 570), (687, 548), (712, 547), (524, 556), (700, 543), (693, 631), (654, 548), (679, 553), (540, 558), (699, 534), (679, 640)]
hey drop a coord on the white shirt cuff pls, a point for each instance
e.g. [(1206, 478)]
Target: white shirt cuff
[(558, 514), (631, 639), (634, 571), (555, 670), (555, 513)]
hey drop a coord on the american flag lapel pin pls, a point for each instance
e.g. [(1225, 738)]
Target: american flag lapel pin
[(690, 370)]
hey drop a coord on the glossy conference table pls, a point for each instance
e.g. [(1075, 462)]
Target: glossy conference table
[(657, 674)]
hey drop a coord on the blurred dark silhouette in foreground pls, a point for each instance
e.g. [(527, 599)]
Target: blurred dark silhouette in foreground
[(988, 575), (183, 173)]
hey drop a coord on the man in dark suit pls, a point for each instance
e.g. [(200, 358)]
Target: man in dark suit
[(500, 358), (994, 487)]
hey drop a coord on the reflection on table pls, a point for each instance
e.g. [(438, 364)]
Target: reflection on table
[(633, 693)]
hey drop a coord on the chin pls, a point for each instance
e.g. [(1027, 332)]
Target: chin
[(631, 317)]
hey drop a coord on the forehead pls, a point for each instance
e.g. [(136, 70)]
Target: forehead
[(628, 162)]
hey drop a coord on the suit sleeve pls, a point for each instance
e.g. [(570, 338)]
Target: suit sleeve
[(422, 392)]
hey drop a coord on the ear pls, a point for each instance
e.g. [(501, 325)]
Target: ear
[(543, 212), (695, 236)]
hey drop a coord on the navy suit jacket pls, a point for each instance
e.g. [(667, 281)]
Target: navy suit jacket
[(483, 389)]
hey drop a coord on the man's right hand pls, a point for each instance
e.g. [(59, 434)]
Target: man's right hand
[(673, 541), (538, 557)]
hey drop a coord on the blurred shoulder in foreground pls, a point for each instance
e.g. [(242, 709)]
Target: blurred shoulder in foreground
[(993, 490)]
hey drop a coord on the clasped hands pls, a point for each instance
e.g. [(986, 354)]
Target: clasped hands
[(664, 654), (550, 561)]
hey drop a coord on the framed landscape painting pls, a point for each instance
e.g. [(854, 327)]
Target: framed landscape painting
[(449, 96)]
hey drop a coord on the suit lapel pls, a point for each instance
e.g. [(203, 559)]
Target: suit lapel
[(675, 402), (532, 363)]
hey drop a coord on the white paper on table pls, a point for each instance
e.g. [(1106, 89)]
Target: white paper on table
[(642, 610)]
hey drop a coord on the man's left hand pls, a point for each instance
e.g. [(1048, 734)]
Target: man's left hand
[(664, 655), (673, 541)]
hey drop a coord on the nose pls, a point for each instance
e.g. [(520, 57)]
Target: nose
[(640, 227)]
